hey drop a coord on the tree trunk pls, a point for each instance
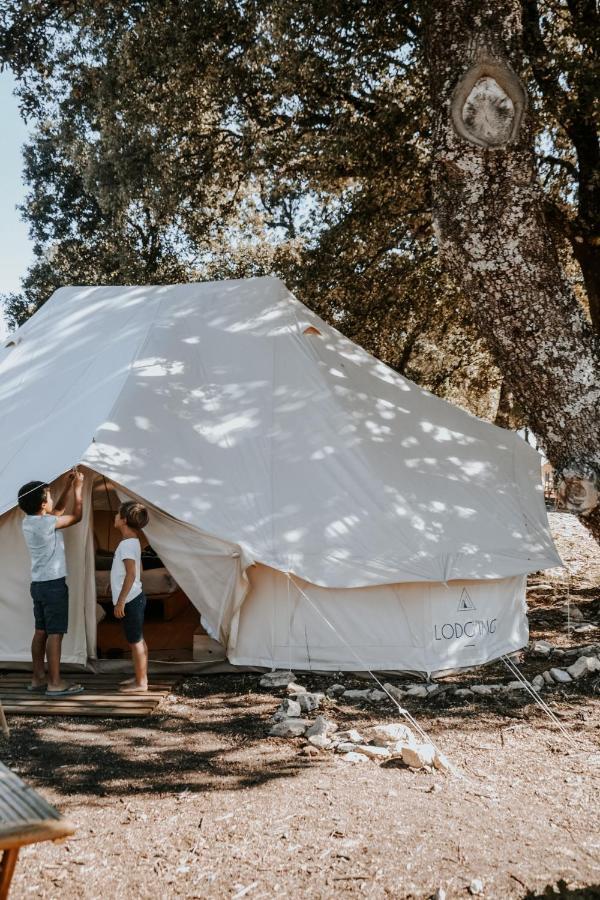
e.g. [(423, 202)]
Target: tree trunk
[(495, 243)]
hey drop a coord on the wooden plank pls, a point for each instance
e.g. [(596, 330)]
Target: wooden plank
[(108, 713), (25, 677), (160, 685), (20, 806), (154, 696), (74, 710), (50, 830), (3, 723), (91, 676), (102, 697)]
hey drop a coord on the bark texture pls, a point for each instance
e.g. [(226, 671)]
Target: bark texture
[(493, 239)]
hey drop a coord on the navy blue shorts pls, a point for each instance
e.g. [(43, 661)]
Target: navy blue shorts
[(51, 605), (133, 620)]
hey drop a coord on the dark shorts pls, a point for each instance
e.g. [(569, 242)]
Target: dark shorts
[(133, 621), (51, 605)]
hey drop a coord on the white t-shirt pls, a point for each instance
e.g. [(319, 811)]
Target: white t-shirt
[(130, 548), (46, 546)]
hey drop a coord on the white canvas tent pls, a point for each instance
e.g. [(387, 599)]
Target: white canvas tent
[(265, 443)]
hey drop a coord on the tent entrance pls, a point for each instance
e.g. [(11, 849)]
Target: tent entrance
[(172, 623)]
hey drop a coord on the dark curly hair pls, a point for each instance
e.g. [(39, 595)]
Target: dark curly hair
[(31, 496)]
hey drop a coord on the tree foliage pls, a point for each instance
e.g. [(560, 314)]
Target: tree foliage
[(181, 140)]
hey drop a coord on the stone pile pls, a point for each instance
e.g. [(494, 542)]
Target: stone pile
[(380, 743), (291, 717)]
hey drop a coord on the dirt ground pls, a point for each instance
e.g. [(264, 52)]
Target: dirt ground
[(198, 802)]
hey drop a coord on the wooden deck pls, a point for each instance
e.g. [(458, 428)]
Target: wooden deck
[(101, 698)]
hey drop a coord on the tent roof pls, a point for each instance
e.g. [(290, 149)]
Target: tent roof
[(212, 402)]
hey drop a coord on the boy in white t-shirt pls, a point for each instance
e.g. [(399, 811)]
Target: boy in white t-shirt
[(43, 527), (126, 586)]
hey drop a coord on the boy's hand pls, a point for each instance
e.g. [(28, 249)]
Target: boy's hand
[(77, 479), (120, 610)]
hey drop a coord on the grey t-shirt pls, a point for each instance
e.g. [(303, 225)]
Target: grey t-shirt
[(46, 546)]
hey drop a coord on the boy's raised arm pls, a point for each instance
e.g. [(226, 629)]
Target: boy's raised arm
[(65, 521), (59, 506)]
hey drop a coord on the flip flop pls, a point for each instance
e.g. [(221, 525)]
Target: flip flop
[(37, 688), (67, 692)]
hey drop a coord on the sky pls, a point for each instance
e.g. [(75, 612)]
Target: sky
[(15, 247)]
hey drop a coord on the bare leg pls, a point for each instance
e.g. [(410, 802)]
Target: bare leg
[(139, 655), (38, 653), (53, 650)]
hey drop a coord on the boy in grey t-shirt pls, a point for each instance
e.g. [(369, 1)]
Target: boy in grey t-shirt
[(42, 528)]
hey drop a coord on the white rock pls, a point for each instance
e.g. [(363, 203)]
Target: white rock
[(289, 728), (392, 734), (345, 747), (290, 708), (373, 752), (308, 701), (476, 887), (323, 741), (321, 726), (397, 693), (335, 690), (538, 683), (398, 748), (463, 692), (356, 695), (440, 894), (441, 762), (377, 696), (294, 688), (583, 629), (483, 689), (355, 757), (515, 686), (548, 677), (560, 675), (583, 665), (419, 690), (542, 648), (276, 679), (352, 735), (431, 688), (418, 755)]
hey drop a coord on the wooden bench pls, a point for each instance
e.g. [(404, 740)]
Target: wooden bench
[(25, 818)]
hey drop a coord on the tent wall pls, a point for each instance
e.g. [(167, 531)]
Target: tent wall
[(403, 626), (16, 607)]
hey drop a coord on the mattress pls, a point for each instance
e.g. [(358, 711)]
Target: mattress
[(154, 581)]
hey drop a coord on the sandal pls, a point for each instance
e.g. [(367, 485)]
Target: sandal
[(67, 692)]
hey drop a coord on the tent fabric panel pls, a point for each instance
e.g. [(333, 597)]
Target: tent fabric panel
[(209, 571), (310, 453), (63, 377), (415, 627), (211, 402), (16, 607)]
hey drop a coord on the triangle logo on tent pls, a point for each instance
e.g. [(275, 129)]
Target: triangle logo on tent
[(465, 601)]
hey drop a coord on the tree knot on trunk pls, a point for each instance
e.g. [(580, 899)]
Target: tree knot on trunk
[(488, 103), (577, 489)]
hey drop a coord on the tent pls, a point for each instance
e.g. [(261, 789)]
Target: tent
[(318, 509)]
